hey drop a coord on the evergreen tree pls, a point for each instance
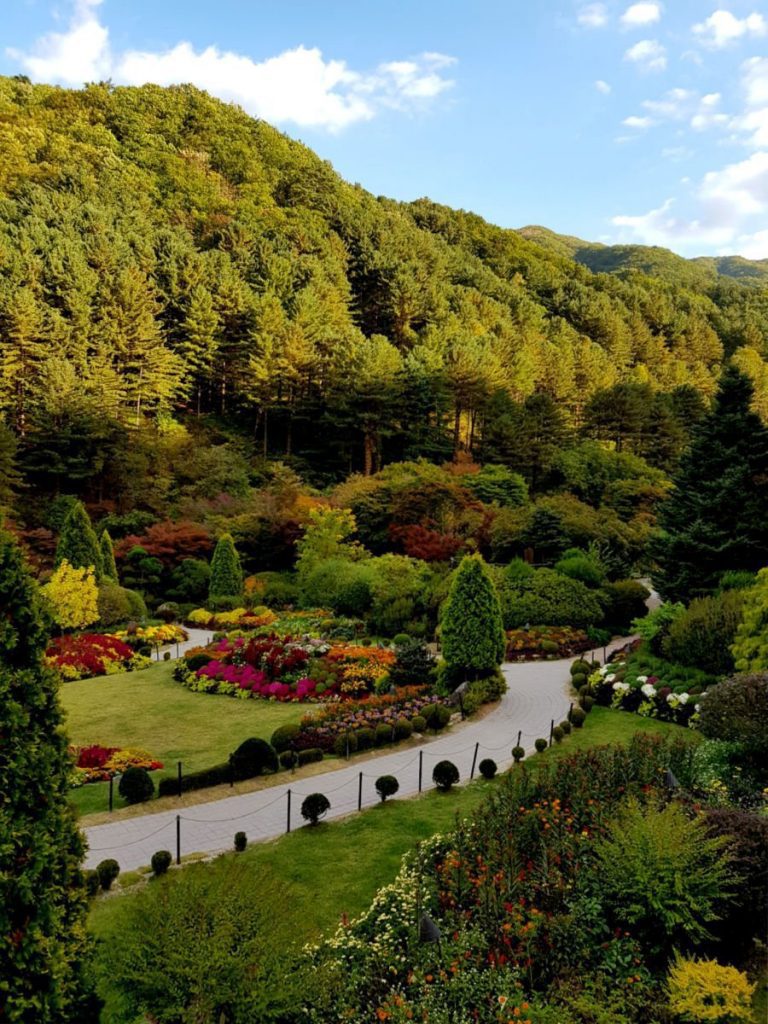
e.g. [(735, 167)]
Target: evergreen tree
[(10, 478), (716, 517), (42, 900), (226, 573), (107, 551), (77, 542), (472, 630)]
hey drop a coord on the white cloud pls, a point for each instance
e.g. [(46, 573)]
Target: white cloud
[(638, 122), (602, 87), (722, 28), (701, 112), (754, 246), (753, 122), (299, 86), (641, 14), (724, 204), (593, 16), (648, 55)]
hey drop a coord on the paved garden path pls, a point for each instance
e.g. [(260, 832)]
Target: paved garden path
[(537, 693)]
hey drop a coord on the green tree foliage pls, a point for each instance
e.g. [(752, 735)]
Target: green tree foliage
[(77, 542), (472, 633), (43, 904), (108, 564), (10, 478), (703, 635), (750, 644), (716, 518), (499, 485), (226, 572), (547, 598), (736, 710)]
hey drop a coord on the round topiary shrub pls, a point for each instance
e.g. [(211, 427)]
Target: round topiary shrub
[(577, 718), (345, 743), (548, 647), (195, 661), (583, 691), (283, 737), (241, 841), (579, 667), (488, 768), (558, 734), (578, 680), (445, 774), (386, 785), (253, 757), (136, 785), (91, 879), (403, 729), (314, 807), (107, 871), (383, 734), (419, 723), (399, 639), (440, 717), (518, 753), (587, 703), (566, 727), (161, 861), (365, 739), (289, 759), (541, 745), (310, 756)]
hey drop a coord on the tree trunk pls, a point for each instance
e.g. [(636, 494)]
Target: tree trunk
[(368, 453), (456, 432)]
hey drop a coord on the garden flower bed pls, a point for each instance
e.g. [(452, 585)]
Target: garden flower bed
[(638, 682), (285, 668), (315, 622), (96, 763), (156, 636), (539, 643), (372, 722), (92, 654)]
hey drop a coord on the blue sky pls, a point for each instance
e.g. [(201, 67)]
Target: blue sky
[(615, 121)]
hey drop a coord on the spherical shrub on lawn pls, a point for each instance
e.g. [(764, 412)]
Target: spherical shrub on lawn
[(383, 734), (386, 785), (136, 785), (558, 734), (365, 738), (314, 807), (161, 861), (107, 870), (518, 753), (587, 702), (241, 841), (445, 774), (91, 879), (578, 716), (541, 745), (345, 743), (283, 736), (289, 759), (403, 729), (253, 757), (441, 716), (566, 727), (419, 723), (488, 768)]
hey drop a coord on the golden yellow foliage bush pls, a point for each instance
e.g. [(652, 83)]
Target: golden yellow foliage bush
[(706, 992), (73, 596)]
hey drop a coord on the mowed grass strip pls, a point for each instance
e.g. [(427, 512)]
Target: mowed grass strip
[(149, 710)]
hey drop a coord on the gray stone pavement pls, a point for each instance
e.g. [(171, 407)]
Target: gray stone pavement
[(537, 693)]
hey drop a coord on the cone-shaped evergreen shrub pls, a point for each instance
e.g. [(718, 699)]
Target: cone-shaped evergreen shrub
[(472, 630), (108, 564), (77, 541), (42, 897), (226, 573)]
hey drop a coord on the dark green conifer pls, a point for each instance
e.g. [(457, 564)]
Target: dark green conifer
[(107, 551), (472, 630), (716, 517), (226, 573), (77, 542), (42, 899)]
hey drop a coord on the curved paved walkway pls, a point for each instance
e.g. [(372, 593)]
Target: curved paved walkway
[(537, 693)]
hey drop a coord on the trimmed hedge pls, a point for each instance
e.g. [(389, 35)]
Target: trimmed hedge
[(215, 776), (310, 756)]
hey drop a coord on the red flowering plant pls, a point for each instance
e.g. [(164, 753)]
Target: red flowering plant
[(90, 654), (97, 763)]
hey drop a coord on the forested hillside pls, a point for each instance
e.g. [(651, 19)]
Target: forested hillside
[(169, 264)]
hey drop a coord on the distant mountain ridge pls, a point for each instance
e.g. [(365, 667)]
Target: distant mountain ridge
[(655, 260)]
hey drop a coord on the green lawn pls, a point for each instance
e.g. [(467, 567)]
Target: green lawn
[(337, 867), (149, 710)]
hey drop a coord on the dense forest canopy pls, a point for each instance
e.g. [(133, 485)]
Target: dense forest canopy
[(167, 261)]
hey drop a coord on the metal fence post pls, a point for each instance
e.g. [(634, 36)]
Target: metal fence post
[(551, 730), (178, 839), (474, 761), (519, 737), (360, 791), (288, 828), (421, 763)]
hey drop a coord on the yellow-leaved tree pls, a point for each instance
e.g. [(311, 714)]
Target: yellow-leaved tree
[(73, 596)]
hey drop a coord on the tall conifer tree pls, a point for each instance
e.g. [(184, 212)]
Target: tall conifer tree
[(107, 551), (472, 628), (77, 541), (716, 518), (226, 573), (42, 901)]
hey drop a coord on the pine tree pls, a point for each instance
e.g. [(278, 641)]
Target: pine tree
[(107, 551), (10, 478), (77, 542), (226, 573), (42, 901), (472, 630), (716, 517)]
